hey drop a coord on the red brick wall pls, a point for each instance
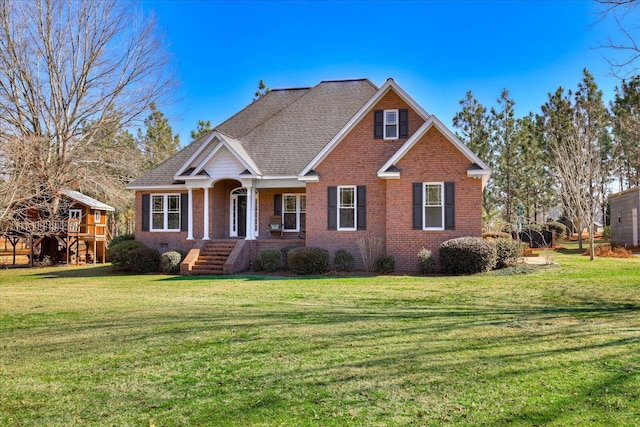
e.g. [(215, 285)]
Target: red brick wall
[(432, 159), (356, 161), (158, 240)]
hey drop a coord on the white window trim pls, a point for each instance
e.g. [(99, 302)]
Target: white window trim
[(97, 217), (384, 124), (165, 213), (75, 211), (424, 205), (355, 208), (298, 211)]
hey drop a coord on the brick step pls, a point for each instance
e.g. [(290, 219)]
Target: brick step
[(215, 253), (207, 267), (213, 257), (219, 264)]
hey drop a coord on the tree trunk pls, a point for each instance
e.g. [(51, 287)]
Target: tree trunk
[(592, 251)]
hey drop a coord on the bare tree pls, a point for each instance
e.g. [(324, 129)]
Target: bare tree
[(68, 70), (626, 42), (577, 152)]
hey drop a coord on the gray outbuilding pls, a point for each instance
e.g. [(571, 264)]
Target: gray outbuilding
[(624, 217)]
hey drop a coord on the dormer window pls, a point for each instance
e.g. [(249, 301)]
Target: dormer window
[(390, 124)]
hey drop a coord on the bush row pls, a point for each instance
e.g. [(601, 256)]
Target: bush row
[(313, 260), (463, 255), (126, 254)]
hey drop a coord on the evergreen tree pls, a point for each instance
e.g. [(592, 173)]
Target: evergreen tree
[(202, 129), (626, 131), (507, 168), (158, 142), (472, 123), (262, 90)]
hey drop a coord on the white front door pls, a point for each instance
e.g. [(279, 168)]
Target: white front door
[(635, 226)]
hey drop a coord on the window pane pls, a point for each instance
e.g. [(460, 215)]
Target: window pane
[(290, 221), (391, 117), (173, 203), (157, 203), (390, 131), (303, 221), (347, 197), (303, 203), (157, 221), (347, 218), (289, 203), (174, 221), (433, 195), (433, 217)]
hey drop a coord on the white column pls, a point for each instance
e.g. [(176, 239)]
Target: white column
[(251, 212), (190, 216), (206, 214)]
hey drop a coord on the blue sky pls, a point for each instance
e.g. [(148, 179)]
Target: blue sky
[(435, 50)]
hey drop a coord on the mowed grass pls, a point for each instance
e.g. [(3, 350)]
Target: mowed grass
[(557, 346)]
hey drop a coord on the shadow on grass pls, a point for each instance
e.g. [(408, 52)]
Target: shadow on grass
[(73, 271)]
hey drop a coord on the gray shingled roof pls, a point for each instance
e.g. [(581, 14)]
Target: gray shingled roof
[(282, 131)]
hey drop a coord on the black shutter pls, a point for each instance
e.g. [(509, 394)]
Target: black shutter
[(332, 208), (361, 206), (403, 121), (449, 206), (184, 211), (378, 124), (277, 204), (146, 207), (418, 206)]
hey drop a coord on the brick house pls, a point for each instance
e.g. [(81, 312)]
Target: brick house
[(331, 163)]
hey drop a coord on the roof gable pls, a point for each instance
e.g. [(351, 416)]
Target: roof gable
[(389, 85), (477, 169)]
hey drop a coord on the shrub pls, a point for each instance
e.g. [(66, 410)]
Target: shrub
[(170, 262), (308, 260), (560, 228), (120, 253), (268, 260), (496, 235), (343, 260), (385, 264), (467, 255), (606, 232), (370, 249), (144, 260), (507, 252), (426, 262), (122, 238), (285, 251)]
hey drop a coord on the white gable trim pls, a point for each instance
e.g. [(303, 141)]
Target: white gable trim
[(483, 173), (195, 155), (234, 147), (390, 84)]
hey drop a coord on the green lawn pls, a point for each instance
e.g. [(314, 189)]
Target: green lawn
[(558, 346)]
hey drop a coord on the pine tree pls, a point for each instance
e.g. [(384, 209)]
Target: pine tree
[(472, 123), (626, 130), (158, 142), (262, 90), (504, 135), (202, 129)]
